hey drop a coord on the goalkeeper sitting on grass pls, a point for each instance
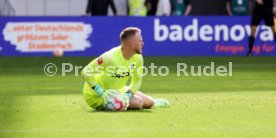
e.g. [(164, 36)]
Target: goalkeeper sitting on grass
[(113, 69)]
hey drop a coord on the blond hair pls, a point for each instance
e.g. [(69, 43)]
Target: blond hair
[(128, 32)]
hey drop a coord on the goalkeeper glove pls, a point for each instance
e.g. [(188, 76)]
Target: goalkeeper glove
[(129, 94), (99, 90)]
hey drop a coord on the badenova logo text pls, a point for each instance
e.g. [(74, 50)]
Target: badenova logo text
[(207, 32)]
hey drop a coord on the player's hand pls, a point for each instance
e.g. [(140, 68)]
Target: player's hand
[(109, 94), (99, 90), (115, 100), (274, 10), (260, 2)]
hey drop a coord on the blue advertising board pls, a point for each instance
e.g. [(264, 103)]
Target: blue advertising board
[(163, 36)]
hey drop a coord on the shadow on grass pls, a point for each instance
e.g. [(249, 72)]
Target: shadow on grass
[(114, 112)]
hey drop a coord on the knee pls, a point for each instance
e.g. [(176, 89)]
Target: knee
[(136, 103), (148, 103), (139, 103)]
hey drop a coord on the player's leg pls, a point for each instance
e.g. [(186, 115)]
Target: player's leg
[(92, 99), (269, 21), (148, 101), (140, 100), (251, 39), (136, 103), (256, 19)]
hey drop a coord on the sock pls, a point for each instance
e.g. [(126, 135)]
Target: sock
[(251, 43)]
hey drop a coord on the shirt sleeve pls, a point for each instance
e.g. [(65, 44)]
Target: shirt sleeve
[(95, 66), (137, 75)]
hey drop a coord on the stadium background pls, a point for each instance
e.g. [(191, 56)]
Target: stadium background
[(33, 104), (76, 8)]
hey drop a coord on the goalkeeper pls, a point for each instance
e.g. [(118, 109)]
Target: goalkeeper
[(114, 68)]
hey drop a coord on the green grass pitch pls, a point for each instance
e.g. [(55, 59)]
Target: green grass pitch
[(244, 105)]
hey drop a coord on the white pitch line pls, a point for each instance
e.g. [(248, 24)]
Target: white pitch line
[(140, 129)]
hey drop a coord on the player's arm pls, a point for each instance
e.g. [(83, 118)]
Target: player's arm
[(188, 8), (136, 78), (96, 66), (228, 7)]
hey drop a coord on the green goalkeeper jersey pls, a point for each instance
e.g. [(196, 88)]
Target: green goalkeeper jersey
[(112, 71)]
